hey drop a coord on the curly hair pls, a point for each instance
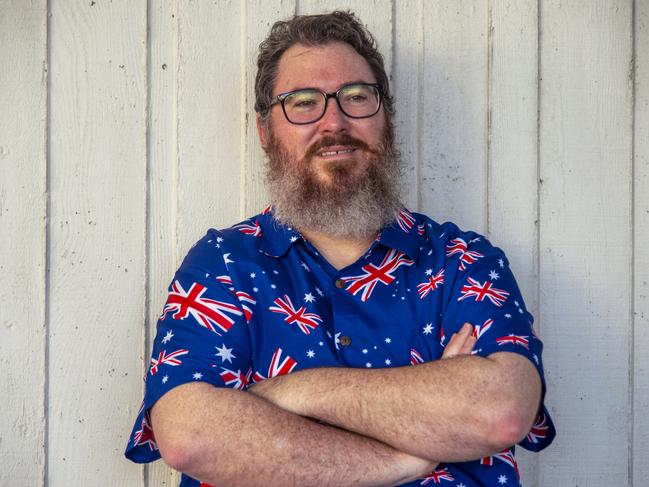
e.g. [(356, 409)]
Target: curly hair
[(315, 30)]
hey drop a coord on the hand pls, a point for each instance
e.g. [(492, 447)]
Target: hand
[(281, 391), (461, 343)]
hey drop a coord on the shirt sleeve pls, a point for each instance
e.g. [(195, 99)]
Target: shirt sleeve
[(202, 336), (485, 294)]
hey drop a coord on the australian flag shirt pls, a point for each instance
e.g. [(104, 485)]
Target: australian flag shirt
[(256, 301)]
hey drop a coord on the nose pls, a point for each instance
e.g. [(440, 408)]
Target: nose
[(333, 120)]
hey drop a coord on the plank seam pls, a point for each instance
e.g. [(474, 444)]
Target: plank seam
[(539, 79), (488, 121), (48, 245), (632, 321), (421, 51), (147, 212), (244, 115)]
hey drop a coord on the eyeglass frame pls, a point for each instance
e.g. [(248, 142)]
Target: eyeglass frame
[(334, 94)]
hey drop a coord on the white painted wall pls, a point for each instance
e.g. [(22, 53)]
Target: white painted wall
[(126, 130)]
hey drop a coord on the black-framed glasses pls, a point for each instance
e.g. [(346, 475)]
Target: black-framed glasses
[(308, 105)]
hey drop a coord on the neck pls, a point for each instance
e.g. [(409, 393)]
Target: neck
[(339, 251)]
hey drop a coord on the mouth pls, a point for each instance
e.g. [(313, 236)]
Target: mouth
[(335, 152)]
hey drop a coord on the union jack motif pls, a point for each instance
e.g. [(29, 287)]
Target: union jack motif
[(246, 301), (442, 335), (235, 379), (208, 312), (481, 291), (305, 321), (433, 283), (248, 229), (267, 210), (506, 456), (421, 229), (365, 283), (514, 340), (539, 430), (479, 330), (405, 220), (436, 476), (467, 257), (163, 358), (415, 357), (277, 367), (145, 436)]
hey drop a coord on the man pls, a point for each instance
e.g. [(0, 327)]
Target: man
[(302, 346)]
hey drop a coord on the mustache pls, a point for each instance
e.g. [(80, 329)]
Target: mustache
[(344, 139)]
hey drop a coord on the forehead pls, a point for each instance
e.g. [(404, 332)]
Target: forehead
[(327, 67)]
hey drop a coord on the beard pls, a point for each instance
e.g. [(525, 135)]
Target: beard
[(353, 202)]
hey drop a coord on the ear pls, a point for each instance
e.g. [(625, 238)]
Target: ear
[(262, 130)]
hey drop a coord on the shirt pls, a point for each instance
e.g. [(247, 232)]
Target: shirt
[(257, 300)]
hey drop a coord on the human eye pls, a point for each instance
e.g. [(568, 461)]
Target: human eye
[(356, 95), (302, 100)]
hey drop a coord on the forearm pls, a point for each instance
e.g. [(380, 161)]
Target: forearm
[(451, 410), (238, 439)]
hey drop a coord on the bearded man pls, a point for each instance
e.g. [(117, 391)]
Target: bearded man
[(338, 339)]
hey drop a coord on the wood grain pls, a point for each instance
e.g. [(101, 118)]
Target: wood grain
[(97, 219), (23, 119), (585, 255), (512, 154)]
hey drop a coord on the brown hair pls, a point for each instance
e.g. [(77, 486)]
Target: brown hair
[(314, 30)]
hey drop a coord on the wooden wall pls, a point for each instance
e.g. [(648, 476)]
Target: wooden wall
[(126, 130)]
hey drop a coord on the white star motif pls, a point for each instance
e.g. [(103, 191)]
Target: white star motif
[(516, 303), (309, 298), (275, 272), (168, 336), (502, 479), (368, 365), (501, 263), (255, 289), (428, 329), (225, 353), (219, 239), (306, 267), (273, 286), (337, 340), (536, 358), (429, 272), (388, 361), (461, 485), (507, 315), (493, 275), (197, 375), (310, 354), (388, 340), (165, 379), (430, 252), (477, 239), (320, 343), (403, 297), (520, 310), (320, 293), (253, 275), (293, 238), (226, 259), (375, 347), (364, 350)]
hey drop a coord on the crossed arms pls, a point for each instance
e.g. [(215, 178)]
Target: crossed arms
[(383, 426)]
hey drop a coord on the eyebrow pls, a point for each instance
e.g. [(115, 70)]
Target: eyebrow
[(320, 89)]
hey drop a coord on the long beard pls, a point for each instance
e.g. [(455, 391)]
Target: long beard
[(353, 203)]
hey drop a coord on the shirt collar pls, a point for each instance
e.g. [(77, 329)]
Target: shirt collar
[(402, 234), (276, 237)]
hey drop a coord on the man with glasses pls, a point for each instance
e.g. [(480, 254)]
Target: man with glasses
[(304, 345)]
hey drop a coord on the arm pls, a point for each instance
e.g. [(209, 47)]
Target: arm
[(451, 410), (228, 437)]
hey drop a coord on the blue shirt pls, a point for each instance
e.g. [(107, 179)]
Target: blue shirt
[(257, 300)]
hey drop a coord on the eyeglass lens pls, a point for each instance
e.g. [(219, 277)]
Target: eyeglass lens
[(308, 105)]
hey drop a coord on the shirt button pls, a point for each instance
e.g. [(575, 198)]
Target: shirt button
[(345, 341), (340, 283)]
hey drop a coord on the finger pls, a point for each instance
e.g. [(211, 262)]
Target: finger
[(453, 347), (468, 345)]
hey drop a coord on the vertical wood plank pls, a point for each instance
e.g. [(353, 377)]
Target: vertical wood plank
[(585, 256), (23, 98), (641, 249), (408, 92), (260, 15), (98, 162), (161, 238), (453, 170), (512, 181), (209, 118)]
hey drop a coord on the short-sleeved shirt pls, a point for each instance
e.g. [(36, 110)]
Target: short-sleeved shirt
[(257, 300)]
